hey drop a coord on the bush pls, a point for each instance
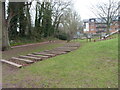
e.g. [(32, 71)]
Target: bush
[(62, 36)]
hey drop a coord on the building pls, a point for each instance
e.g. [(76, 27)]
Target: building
[(98, 25)]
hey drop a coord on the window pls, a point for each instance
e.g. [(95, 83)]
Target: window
[(116, 28), (92, 20), (110, 29), (92, 29), (92, 24)]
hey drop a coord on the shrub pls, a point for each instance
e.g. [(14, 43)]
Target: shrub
[(62, 36)]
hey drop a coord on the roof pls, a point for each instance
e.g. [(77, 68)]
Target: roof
[(100, 20)]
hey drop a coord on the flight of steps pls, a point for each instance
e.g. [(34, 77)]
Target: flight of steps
[(28, 59)]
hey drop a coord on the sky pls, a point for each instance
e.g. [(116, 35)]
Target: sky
[(83, 7)]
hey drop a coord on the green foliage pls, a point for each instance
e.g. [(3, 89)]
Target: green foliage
[(43, 21), (62, 36), (18, 20), (20, 24)]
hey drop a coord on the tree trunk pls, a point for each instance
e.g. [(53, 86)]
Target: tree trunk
[(29, 21), (108, 28), (5, 38)]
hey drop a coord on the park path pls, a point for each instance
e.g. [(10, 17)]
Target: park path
[(63, 49), (41, 43), (16, 50), (31, 57)]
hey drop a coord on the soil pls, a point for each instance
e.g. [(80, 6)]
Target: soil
[(16, 51)]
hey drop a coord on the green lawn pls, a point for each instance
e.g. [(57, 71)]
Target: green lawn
[(93, 65)]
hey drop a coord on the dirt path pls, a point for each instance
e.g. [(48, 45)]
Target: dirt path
[(25, 49), (30, 44), (8, 70)]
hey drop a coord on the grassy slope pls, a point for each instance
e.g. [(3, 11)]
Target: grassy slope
[(92, 65)]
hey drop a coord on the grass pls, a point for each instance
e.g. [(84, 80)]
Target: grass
[(93, 65), (22, 41)]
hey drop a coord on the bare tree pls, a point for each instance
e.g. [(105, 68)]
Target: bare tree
[(59, 7), (71, 23), (106, 11)]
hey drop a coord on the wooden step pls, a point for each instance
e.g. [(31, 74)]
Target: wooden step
[(56, 52), (47, 50), (30, 57), (20, 59), (46, 54), (50, 52), (64, 50), (11, 63), (37, 56)]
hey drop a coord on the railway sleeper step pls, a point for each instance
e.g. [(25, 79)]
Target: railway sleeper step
[(39, 56), (17, 61), (23, 60), (56, 52), (11, 63), (63, 50), (45, 54), (31, 58)]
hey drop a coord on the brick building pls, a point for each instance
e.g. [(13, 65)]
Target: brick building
[(98, 25)]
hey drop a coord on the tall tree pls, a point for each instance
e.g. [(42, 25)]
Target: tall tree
[(21, 19), (28, 17), (5, 25), (59, 7), (18, 21), (106, 11), (39, 31), (46, 19), (13, 22), (70, 23)]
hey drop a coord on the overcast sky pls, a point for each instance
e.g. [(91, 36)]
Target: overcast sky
[(83, 7)]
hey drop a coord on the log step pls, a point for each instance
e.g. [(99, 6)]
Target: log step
[(63, 50), (47, 50), (46, 54), (11, 63), (30, 57), (20, 59), (56, 52)]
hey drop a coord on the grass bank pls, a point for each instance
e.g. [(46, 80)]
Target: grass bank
[(93, 65)]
